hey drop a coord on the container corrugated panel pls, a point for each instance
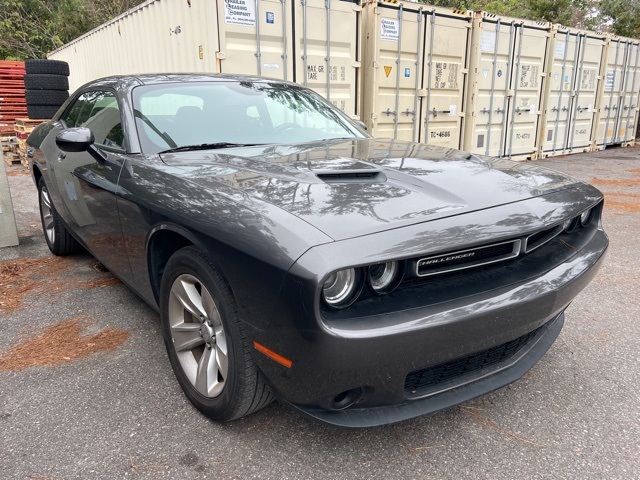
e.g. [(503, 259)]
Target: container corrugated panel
[(629, 114), (156, 36), (327, 50), (506, 72), (447, 42), (415, 66), (612, 91), (255, 38)]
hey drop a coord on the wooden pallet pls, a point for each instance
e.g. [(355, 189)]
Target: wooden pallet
[(11, 158), (26, 125)]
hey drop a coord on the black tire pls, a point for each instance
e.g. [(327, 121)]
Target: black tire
[(46, 97), (41, 112), (54, 67), (59, 240), (242, 391), (46, 82)]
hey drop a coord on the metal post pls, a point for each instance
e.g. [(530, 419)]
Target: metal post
[(568, 119), (429, 69), (634, 91), (577, 96), (327, 6), (416, 114), (258, 53), (493, 84), (395, 121), (304, 40), (515, 95), (564, 66), (615, 71), (284, 40)]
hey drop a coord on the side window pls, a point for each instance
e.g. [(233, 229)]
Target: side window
[(98, 111)]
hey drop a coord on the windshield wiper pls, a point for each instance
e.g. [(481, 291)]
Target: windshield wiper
[(208, 146)]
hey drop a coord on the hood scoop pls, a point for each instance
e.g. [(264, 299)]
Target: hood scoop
[(352, 176)]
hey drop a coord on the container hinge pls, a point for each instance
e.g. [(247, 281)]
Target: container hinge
[(376, 65), (356, 64), (374, 116), (389, 112), (423, 93), (355, 8), (221, 55)]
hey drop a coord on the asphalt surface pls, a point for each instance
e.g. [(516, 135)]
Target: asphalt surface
[(121, 414)]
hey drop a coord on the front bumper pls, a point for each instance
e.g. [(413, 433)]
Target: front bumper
[(376, 354)]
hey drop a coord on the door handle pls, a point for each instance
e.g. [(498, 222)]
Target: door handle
[(61, 156)]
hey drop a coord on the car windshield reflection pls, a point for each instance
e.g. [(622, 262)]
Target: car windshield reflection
[(176, 117)]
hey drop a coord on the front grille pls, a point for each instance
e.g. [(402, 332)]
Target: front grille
[(538, 239), (463, 259), (426, 378)]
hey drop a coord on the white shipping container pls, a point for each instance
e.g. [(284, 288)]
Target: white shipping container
[(506, 73), (248, 37), (618, 105), (414, 71), (571, 109)]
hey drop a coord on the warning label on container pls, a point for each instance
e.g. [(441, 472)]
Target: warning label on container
[(488, 41), (610, 81), (446, 75), (390, 29), (240, 12), (588, 80), (529, 76), (387, 70), (558, 52)]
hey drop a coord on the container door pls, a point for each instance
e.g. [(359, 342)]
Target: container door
[(446, 46), (393, 70), (628, 114), (583, 106), (255, 38), (491, 103), (562, 79), (612, 93), (526, 86), (327, 50)]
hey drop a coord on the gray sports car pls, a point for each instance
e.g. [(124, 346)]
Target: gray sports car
[(291, 255)]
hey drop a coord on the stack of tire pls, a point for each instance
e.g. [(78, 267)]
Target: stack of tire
[(46, 86)]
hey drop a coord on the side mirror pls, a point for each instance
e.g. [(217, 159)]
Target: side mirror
[(77, 139), (362, 124)]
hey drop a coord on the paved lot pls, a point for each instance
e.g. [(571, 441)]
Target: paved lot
[(119, 413)]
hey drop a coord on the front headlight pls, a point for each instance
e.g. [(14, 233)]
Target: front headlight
[(384, 277), (342, 288), (585, 217)]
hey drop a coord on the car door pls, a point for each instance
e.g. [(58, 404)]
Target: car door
[(87, 181)]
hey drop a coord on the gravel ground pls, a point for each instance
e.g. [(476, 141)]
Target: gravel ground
[(118, 412)]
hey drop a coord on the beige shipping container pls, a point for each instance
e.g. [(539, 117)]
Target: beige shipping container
[(248, 37), (574, 89), (414, 64), (156, 36), (506, 74), (618, 104), (327, 50)]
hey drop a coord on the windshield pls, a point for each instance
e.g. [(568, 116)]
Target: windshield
[(175, 115)]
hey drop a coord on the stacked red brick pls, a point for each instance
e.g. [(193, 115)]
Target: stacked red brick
[(12, 95)]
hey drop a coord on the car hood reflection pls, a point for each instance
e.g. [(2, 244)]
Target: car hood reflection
[(348, 188)]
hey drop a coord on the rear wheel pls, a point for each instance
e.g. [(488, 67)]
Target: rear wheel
[(59, 240), (205, 341)]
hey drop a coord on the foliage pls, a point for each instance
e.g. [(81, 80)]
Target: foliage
[(32, 28), (622, 16)]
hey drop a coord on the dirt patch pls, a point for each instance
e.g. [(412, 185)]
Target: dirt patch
[(60, 343), (15, 173), (99, 282), (19, 277), (621, 200)]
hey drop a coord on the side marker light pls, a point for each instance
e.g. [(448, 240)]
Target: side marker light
[(273, 355)]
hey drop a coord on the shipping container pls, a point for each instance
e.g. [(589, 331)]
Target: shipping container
[(507, 70), (415, 71), (618, 105), (249, 37), (574, 91)]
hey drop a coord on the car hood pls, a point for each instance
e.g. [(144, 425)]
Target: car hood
[(355, 187)]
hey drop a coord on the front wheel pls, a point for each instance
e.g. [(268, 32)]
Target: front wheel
[(205, 341), (58, 238)]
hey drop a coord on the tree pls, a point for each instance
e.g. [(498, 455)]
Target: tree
[(621, 16)]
